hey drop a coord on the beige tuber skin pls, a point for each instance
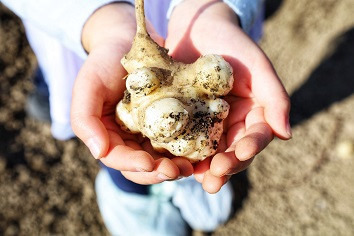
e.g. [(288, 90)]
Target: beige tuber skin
[(176, 105)]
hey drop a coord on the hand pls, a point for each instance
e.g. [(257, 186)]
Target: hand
[(107, 36), (259, 103)]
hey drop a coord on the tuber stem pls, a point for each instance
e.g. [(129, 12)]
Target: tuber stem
[(140, 17)]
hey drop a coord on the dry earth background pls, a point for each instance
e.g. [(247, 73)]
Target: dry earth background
[(300, 187)]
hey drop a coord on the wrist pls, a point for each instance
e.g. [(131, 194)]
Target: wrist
[(107, 24)]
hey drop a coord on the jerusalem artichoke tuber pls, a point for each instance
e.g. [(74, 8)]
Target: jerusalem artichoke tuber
[(175, 105)]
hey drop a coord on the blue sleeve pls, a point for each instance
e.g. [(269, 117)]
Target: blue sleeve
[(247, 10), (62, 19)]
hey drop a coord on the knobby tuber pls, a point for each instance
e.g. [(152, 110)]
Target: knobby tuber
[(176, 105)]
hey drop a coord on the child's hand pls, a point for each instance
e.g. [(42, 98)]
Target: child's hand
[(259, 103), (107, 36)]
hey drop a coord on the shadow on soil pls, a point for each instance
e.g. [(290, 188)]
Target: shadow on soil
[(272, 6), (331, 82)]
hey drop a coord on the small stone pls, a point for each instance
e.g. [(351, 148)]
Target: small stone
[(345, 149)]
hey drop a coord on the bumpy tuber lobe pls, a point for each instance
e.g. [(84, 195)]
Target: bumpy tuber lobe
[(175, 105)]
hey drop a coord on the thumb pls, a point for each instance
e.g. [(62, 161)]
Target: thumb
[(86, 111), (272, 95), (97, 83)]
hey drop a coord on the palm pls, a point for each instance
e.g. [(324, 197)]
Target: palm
[(259, 103)]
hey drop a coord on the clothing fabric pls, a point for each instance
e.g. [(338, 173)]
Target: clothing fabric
[(59, 66), (247, 11), (167, 210), (135, 214), (201, 210), (69, 16), (62, 20)]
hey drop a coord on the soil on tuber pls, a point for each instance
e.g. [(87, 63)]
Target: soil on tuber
[(176, 105)]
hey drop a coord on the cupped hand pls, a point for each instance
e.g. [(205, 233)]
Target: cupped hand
[(259, 104), (107, 37)]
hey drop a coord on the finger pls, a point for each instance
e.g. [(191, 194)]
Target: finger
[(89, 128), (184, 166), (146, 145), (271, 94), (249, 139), (126, 158), (132, 144), (212, 184), (255, 77), (164, 170), (89, 96), (222, 144), (223, 163), (227, 164), (257, 136), (200, 168), (234, 134), (110, 124), (239, 109)]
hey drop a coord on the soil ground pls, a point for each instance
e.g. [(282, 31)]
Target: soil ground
[(300, 187)]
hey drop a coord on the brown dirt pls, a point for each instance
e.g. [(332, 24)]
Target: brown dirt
[(299, 187), (47, 186)]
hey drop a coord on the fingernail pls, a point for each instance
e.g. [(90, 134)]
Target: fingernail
[(94, 147), (288, 130), (163, 177)]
